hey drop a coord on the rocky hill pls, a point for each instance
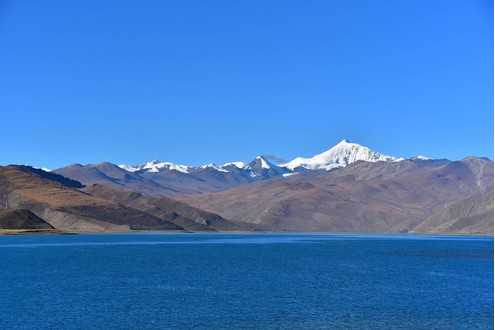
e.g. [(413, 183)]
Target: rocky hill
[(21, 219), (411, 196), (348, 188), (180, 213), (70, 209)]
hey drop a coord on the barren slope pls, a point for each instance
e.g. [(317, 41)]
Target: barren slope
[(67, 208), (21, 219), (362, 197), (188, 217)]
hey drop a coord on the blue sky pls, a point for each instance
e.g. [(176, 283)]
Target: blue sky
[(194, 82)]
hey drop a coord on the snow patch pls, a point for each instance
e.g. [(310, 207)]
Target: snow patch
[(215, 167), (156, 166), (239, 165), (264, 163), (128, 168), (419, 157), (41, 168)]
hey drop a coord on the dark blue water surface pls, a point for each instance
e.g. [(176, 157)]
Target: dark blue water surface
[(250, 281)]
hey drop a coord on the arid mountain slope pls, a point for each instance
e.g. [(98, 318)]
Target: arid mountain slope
[(363, 197), (188, 217), (166, 183), (21, 219), (465, 216), (67, 208), (113, 176), (99, 208), (408, 196)]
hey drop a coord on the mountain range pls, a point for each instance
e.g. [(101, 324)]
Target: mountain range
[(348, 188), (165, 179), (69, 206), (411, 196)]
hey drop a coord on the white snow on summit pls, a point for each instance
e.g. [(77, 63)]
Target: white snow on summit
[(260, 165), (239, 165), (156, 166), (41, 168), (215, 167), (419, 157), (341, 155), (264, 163), (128, 168)]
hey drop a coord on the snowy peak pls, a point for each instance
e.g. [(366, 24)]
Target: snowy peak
[(343, 154), (128, 168), (261, 167), (262, 162), (419, 157), (150, 165), (215, 167), (155, 166), (239, 165)]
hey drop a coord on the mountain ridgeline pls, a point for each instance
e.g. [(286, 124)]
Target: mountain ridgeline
[(164, 179), (348, 188), (67, 208), (411, 196)]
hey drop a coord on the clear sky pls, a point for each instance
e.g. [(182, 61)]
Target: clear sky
[(194, 82)]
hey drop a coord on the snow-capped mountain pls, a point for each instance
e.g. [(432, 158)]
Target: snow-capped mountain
[(215, 167), (261, 167), (167, 179), (156, 166), (239, 165), (341, 155), (420, 158)]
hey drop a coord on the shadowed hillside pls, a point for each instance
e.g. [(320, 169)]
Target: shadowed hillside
[(180, 213), (100, 208), (408, 196), (69, 209), (21, 219)]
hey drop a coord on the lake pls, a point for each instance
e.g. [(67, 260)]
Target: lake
[(255, 281)]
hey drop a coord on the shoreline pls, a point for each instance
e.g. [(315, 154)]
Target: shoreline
[(27, 232), (41, 232)]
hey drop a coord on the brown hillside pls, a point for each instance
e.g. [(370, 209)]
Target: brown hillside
[(21, 219), (364, 197), (69, 209), (186, 216)]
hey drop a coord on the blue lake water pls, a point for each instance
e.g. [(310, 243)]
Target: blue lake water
[(235, 281)]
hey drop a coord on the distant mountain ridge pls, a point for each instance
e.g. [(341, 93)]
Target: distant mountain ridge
[(410, 196), (166, 179), (348, 188), (32, 199), (253, 169), (342, 154)]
